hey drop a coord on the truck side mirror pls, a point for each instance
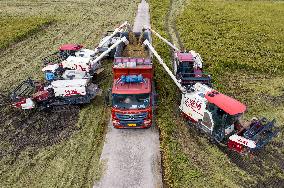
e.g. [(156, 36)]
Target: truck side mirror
[(108, 97)]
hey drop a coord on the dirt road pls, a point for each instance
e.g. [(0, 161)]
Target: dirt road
[(132, 157)]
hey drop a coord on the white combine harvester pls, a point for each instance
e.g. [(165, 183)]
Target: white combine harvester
[(69, 80), (219, 115)]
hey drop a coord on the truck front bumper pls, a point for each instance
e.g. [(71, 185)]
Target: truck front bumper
[(132, 124)]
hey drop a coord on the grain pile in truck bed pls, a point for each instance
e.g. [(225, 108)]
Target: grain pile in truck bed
[(135, 48)]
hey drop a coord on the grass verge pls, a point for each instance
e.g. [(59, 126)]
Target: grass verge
[(173, 157)]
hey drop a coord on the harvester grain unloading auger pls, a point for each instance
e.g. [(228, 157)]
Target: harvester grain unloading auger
[(67, 82), (219, 116)]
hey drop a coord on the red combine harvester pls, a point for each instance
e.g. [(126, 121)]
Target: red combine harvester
[(219, 116), (133, 94)]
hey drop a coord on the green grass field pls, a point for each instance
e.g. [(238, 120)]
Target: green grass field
[(241, 43), (53, 149)]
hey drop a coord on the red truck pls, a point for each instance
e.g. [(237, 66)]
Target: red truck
[(133, 94)]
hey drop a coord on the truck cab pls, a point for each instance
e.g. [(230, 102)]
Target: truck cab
[(132, 102)]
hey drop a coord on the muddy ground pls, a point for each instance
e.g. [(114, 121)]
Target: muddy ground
[(32, 130)]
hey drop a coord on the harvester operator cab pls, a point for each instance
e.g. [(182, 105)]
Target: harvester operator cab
[(223, 123), (67, 50), (183, 68), (225, 114)]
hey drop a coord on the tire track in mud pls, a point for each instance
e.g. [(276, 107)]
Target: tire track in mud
[(25, 128)]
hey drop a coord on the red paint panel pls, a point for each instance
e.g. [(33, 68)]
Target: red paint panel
[(182, 56), (146, 71), (235, 146), (41, 95), (71, 47), (226, 103)]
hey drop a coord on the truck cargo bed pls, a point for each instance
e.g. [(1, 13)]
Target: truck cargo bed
[(135, 48)]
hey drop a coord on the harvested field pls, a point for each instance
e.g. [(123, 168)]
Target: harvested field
[(56, 148)]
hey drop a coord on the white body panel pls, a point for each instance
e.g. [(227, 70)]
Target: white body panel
[(85, 53), (66, 88), (75, 74), (69, 83), (50, 68), (201, 88), (77, 63), (69, 91), (193, 105), (28, 105), (243, 141), (197, 59)]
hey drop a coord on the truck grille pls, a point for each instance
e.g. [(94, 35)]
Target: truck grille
[(131, 117)]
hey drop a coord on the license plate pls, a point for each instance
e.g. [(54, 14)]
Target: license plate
[(131, 125)]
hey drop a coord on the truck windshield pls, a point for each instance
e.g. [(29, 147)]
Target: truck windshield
[(131, 101)]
